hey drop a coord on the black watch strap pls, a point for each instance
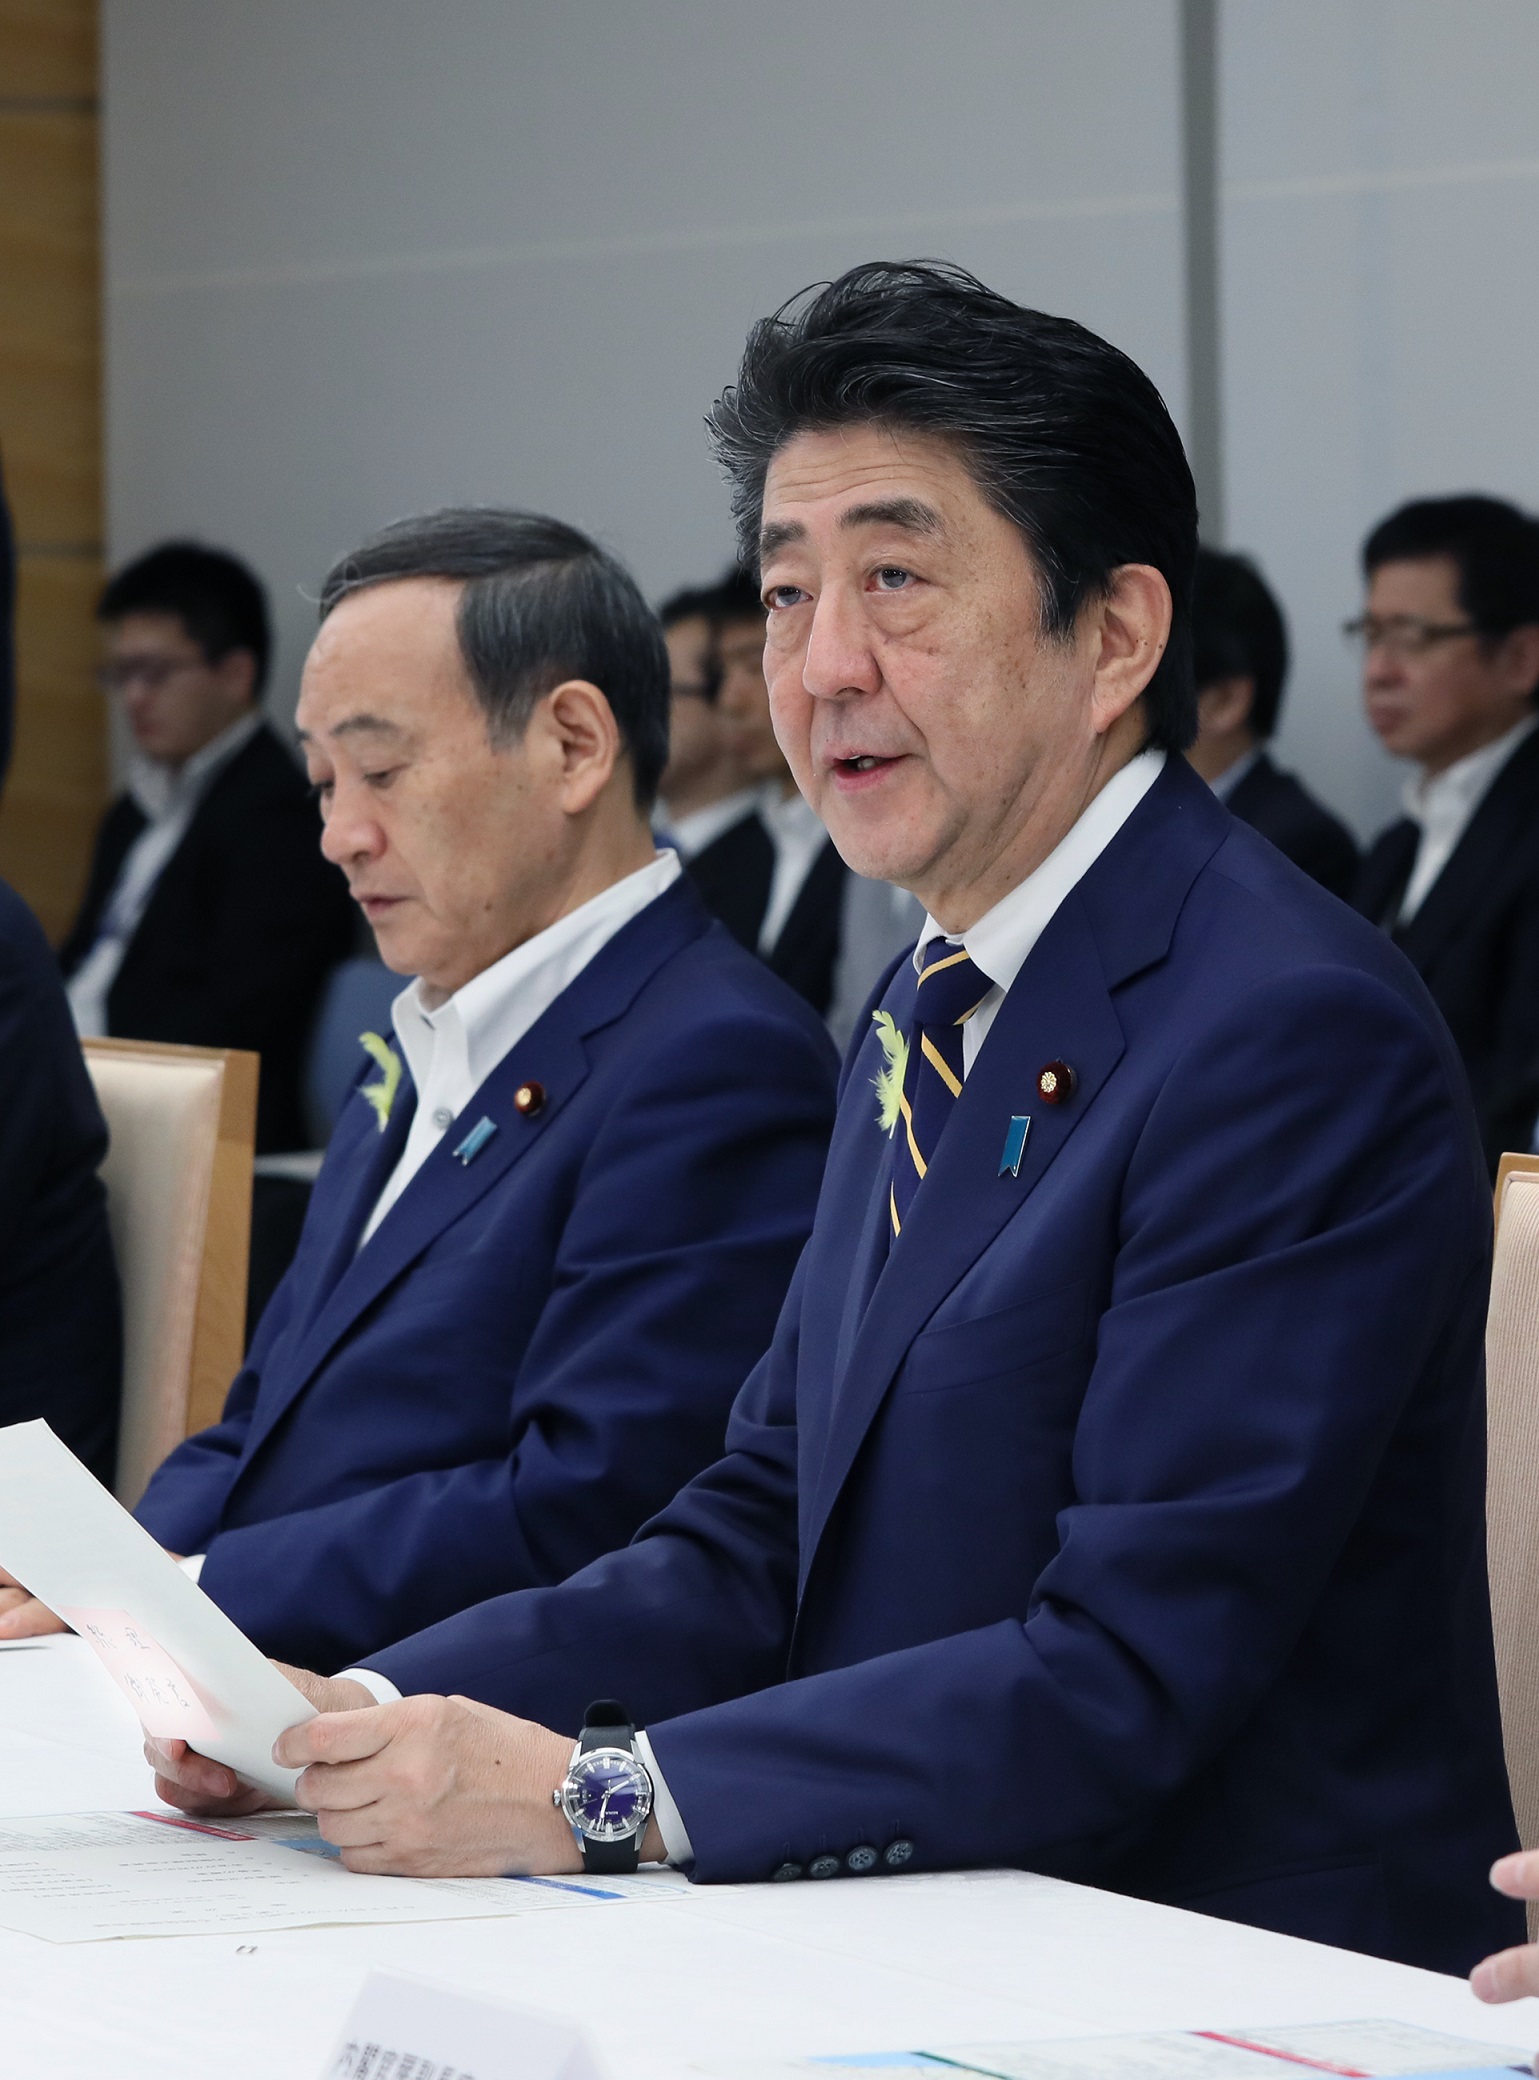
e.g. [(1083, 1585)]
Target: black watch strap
[(609, 1725)]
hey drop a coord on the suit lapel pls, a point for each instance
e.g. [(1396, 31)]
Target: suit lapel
[(551, 1053), (1476, 863), (1116, 923), (1059, 1010)]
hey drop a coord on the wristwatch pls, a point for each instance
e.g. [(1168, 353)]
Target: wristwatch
[(607, 1793)]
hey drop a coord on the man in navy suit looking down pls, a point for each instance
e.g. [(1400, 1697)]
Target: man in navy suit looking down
[(1110, 1500), (559, 1215)]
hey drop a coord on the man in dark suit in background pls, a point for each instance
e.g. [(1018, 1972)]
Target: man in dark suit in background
[(1110, 1501), (1451, 641), (60, 1332), (556, 1221), (210, 916), (1240, 658), (708, 802)]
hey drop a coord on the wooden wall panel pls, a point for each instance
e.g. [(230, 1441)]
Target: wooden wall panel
[(50, 443)]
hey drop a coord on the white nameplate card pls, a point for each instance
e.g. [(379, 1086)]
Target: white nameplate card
[(188, 1671), (409, 2029)]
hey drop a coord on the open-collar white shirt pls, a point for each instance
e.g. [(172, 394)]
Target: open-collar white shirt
[(1003, 937), (1443, 804), (451, 1050)]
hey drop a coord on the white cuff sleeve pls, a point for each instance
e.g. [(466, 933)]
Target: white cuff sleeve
[(192, 1566), (670, 1821), (380, 1688)]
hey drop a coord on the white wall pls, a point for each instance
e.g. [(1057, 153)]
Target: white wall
[(1380, 289), (368, 256)]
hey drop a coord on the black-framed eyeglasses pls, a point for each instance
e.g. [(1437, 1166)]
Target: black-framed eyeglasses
[(150, 672), (1403, 635)]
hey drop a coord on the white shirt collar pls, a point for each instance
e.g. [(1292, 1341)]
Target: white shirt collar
[(160, 790), (691, 834), (492, 1012), (452, 1050), (1229, 779), (1003, 937), (1454, 794)]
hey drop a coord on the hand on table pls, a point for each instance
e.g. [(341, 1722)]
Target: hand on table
[(435, 1787), (1511, 1973), (21, 1615)]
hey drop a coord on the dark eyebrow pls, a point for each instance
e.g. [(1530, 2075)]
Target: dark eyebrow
[(912, 515), (778, 535)]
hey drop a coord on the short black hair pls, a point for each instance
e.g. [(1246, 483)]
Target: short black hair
[(1238, 632), (541, 603), (1494, 545), (1065, 436), (219, 601)]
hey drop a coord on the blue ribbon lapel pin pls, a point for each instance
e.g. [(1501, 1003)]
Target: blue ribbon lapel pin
[(1015, 1145), (476, 1140)]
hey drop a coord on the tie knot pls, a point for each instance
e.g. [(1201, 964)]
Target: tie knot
[(951, 986)]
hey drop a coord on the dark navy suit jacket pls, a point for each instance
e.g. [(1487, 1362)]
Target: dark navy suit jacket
[(1123, 1520), (534, 1349), (61, 1354)]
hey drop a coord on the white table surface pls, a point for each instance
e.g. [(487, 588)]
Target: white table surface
[(893, 1963)]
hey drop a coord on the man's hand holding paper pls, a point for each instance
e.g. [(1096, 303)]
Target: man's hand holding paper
[(428, 1787)]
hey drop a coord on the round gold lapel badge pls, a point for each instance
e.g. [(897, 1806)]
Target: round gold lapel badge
[(529, 1099), (1056, 1083)]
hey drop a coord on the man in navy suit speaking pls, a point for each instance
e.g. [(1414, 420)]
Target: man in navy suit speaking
[(1109, 1502), (559, 1215)]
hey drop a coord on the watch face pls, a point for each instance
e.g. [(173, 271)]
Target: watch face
[(607, 1795)]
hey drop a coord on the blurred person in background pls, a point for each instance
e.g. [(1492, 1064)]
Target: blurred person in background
[(707, 802), (210, 916), (1450, 635), (1241, 662), (799, 895)]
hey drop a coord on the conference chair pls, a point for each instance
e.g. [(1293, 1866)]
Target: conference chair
[(182, 1122), (1512, 1481)]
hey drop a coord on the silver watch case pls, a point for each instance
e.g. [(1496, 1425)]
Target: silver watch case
[(596, 1777)]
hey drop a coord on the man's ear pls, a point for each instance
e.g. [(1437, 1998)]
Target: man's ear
[(237, 675), (586, 738), (1520, 655), (1224, 705), (1133, 628)]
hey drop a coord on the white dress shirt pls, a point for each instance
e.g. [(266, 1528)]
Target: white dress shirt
[(1002, 938), (168, 797), (999, 942), (797, 834), (689, 835), (452, 1050), (1229, 779), (1443, 803)]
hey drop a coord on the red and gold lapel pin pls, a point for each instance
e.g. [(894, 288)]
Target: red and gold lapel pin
[(1056, 1084)]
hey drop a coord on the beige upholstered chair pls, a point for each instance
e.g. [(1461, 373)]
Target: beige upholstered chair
[(1512, 1488), (178, 1178)]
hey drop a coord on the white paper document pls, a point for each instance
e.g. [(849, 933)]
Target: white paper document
[(1355, 2049), (1370, 2050), (88, 1877), (189, 1673), (403, 2028)]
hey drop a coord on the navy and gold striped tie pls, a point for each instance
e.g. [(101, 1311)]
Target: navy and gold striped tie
[(951, 987)]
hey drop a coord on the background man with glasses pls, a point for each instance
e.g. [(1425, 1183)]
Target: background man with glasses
[(210, 916), (1451, 667)]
